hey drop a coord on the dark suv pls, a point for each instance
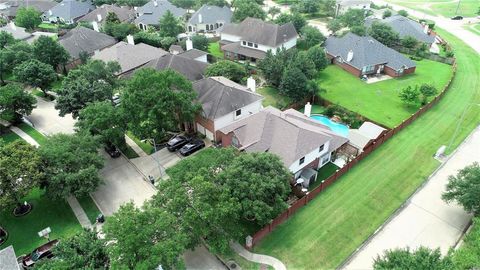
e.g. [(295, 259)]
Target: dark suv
[(112, 150), (177, 142), (192, 147)]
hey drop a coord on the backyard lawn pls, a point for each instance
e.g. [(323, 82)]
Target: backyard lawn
[(214, 49), (273, 98), (446, 8), (379, 101), (324, 233)]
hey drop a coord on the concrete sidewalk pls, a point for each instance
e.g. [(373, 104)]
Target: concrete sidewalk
[(24, 136), (258, 258), (79, 212), (426, 220)]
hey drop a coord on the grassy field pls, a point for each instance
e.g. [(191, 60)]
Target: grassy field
[(379, 101), (146, 147), (89, 207), (324, 233), (273, 98), (45, 213), (214, 49), (446, 8), (37, 136), (8, 138)]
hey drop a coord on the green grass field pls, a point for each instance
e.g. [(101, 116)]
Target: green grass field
[(89, 207), (324, 233), (214, 49), (146, 147), (8, 138), (271, 97), (379, 101), (37, 136), (446, 8)]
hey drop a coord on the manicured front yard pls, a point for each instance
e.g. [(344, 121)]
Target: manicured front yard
[(146, 147), (271, 97), (89, 207), (214, 49), (379, 101), (324, 233)]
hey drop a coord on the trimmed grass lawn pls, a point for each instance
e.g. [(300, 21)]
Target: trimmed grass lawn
[(37, 136), (214, 49), (45, 213), (379, 101), (147, 147), (128, 151), (273, 98), (446, 8), (48, 26), (324, 173), (324, 233), (8, 138), (89, 207)]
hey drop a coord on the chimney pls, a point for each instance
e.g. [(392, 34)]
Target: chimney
[(50, 12), (155, 4), (200, 19), (349, 56), (308, 109), (425, 29), (99, 17), (130, 40), (189, 44), (13, 26), (251, 84), (95, 26)]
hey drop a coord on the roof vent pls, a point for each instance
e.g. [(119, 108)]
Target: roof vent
[(349, 56), (370, 40)]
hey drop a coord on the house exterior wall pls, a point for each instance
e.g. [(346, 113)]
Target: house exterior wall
[(296, 167), (231, 117), (228, 37), (202, 27), (202, 58), (289, 44), (205, 126), (353, 70), (391, 72)]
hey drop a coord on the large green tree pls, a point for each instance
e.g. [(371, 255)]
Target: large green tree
[(71, 165), (15, 102), (228, 69), (410, 95), (35, 74), (6, 39), (162, 102), (295, 18), (420, 259), (13, 55), (427, 91), (464, 188), (312, 36), (318, 56), (169, 25), (294, 84), (49, 51), (28, 17), (384, 34), (94, 81), (334, 26), (274, 63), (353, 17), (247, 8), (468, 255)]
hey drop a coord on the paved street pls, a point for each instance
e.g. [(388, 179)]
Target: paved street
[(426, 220), (201, 259), (148, 164), (46, 119)]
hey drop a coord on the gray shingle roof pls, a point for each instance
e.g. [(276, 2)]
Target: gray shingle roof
[(220, 96), (8, 259), (258, 31), (235, 47), (212, 14), (405, 27), (70, 9), (366, 51), (13, 6), (84, 39), (16, 31), (193, 53), (129, 56), (124, 14), (151, 14), (191, 69), (289, 134)]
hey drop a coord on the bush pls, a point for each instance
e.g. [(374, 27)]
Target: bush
[(152, 39), (350, 118)]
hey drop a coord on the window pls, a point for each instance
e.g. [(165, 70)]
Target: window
[(235, 141), (321, 148), (301, 161), (244, 43), (255, 45), (325, 159), (250, 44), (238, 112)]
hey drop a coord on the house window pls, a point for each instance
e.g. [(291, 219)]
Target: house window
[(250, 44), (325, 159), (235, 141), (244, 43), (255, 45), (238, 112), (301, 161), (321, 148)]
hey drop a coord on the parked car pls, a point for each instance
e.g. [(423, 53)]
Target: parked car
[(112, 150), (177, 142), (456, 18), (192, 147), (40, 253)]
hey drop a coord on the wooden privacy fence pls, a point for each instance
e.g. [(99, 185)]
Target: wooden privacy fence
[(334, 177)]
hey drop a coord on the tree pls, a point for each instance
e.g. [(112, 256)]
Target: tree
[(83, 250), (15, 102), (6, 39), (305, 64), (49, 51), (169, 25), (162, 102), (312, 36), (309, 6), (199, 42), (273, 11), (384, 34), (186, 4), (427, 91), (13, 55), (104, 120), (144, 238), (94, 81), (465, 188), (247, 8), (387, 13), (359, 30), (273, 64), (422, 258), (318, 57), (294, 84), (468, 255), (409, 95), (119, 30), (36, 74), (71, 165), (152, 39), (295, 18), (409, 42), (112, 18), (260, 182), (28, 17), (328, 7), (228, 69), (334, 26), (403, 13), (353, 17), (20, 171)]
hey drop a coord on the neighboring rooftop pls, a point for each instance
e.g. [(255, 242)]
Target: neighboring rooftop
[(8, 259), (220, 96), (211, 14), (16, 31), (258, 31), (366, 51), (124, 14), (289, 134), (175, 49), (191, 69), (152, 11), (82, 39), (193, 54), (237, 48), (11, 7), (70, 9), (361, 137), (405, 27), (129, 56)]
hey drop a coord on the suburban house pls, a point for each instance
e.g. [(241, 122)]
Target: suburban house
[(223, 102), (364, 55), (99, 14), (209, 19), (86, 40), (19, 33), (302, 143), (195, 54), (68, 11), (253, 38), (363, 136), (191, 69), (343, 5), (130, 56), (8, 259), (149, 14), (8, 9)]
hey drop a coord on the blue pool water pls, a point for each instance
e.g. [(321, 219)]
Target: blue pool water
[(340, 129)]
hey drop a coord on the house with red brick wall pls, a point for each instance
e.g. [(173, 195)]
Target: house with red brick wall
[(301, 143), (223, 102), (364, 55)]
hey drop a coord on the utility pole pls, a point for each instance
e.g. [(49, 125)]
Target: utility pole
[(458, 5)]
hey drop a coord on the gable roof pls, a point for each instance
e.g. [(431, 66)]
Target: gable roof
[(191, 69), (193, 53), (405, 27), (123, 14), (211, 14), (16, 31), (258, 31), (152, 11), (175, 49), (13, 6), (70, 9), (289, 134), (82, 39), (129, 56), (8, 259), (220, 96), (366, 51)]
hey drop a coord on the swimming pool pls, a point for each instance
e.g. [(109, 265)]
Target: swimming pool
[(340, 129)]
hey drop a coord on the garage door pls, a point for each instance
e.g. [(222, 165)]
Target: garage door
[(200, 129)]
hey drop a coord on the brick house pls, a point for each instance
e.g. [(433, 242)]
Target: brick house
[(366, 56)]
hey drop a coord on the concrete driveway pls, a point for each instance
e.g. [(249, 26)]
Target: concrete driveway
[(426, 220), (148, 165), (45, 119), (202, 259)]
